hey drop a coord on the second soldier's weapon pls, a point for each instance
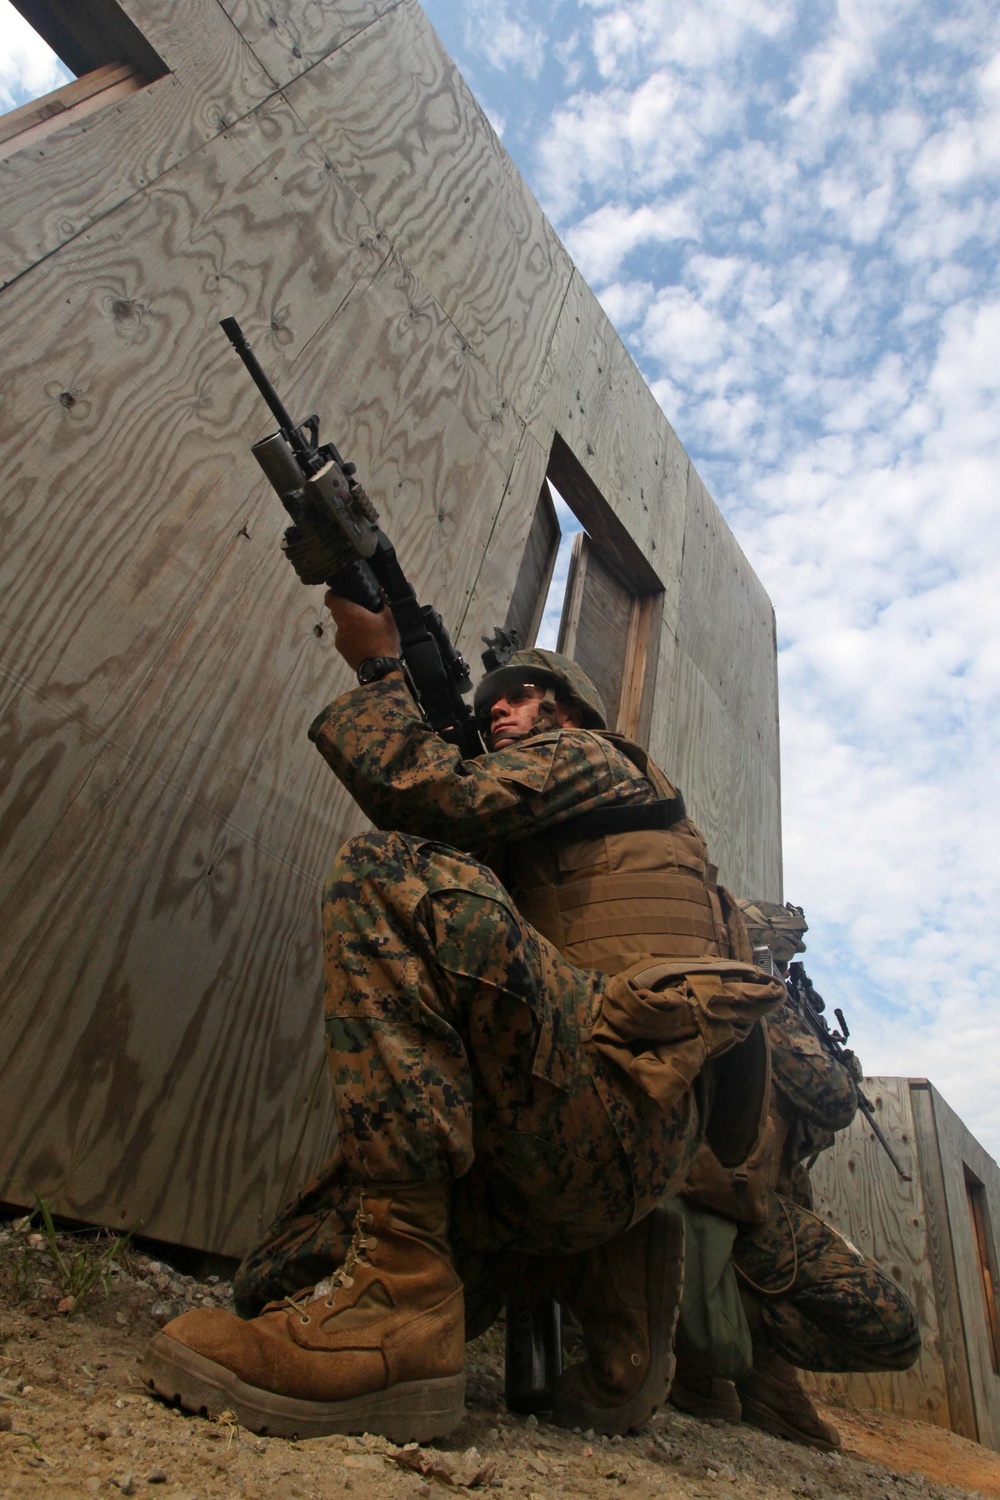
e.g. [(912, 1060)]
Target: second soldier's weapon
[(811, 1006), (335, 539)]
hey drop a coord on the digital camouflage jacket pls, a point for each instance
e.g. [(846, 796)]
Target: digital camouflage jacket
[(405, 777), (814, 1096)]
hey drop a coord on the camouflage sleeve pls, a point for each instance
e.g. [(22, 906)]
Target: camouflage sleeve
[(812, 1085), (404, 776)]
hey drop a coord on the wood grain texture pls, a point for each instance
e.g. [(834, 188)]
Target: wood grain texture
[(204, 820), (288, 37), (857, 1189), (640, 666), (163, 978), (954, 1354), (410, 139), (723, 719), (497, 571), (53, 192), (165, 824), (33, 121), (960, 1148), (139, 410)]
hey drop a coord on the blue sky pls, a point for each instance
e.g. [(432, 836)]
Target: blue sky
[(789, 210)]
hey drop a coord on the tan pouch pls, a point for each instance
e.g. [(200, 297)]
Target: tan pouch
[(660, 1022)]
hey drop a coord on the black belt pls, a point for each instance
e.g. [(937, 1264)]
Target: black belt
[(628, 817)]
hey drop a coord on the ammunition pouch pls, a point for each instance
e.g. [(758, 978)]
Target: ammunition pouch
[(661, 1022)]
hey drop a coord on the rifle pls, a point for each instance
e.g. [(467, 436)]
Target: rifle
[(811, 1005), (335, 539)]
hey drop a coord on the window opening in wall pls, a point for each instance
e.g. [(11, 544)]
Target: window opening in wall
[(555, 598), (584, 588), (982, 1230), (28, 65), (62, 60)]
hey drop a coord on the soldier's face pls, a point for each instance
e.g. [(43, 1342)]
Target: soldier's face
[(514, 714)]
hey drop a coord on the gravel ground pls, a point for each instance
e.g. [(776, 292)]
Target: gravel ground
[(74, 1420)]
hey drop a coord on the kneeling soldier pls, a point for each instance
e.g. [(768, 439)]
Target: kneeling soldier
[(519, 1064)]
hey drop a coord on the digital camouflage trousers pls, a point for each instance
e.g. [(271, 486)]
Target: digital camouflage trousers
[(813, 1298), (459, 1047)]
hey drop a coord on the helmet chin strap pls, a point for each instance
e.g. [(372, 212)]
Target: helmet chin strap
[(548, 717)]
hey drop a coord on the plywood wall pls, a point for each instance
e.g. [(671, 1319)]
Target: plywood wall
[(920, 1233), (321, 173)]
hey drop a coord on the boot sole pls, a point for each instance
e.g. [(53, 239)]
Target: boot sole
[(768, 1420), (413, 1412), (665, 1278)]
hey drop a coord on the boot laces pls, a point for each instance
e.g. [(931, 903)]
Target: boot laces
[(360, 1243)]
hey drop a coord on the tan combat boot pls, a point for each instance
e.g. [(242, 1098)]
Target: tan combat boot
[(710, 1397), (773, 1399), (627, 1303), (379, 1348)]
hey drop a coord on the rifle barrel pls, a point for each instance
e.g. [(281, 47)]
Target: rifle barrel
[(234, 333), (866, 1109)]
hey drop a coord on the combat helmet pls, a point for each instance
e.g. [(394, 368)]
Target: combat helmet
[(778, 928), (545, 668)]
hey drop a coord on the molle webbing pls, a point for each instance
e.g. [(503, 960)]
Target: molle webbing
[(667, 909), (605, 902), (627, 818)]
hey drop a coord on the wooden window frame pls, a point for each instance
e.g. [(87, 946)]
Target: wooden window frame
[(101, 45), (538, 561), (985, 1247), (621, 577)]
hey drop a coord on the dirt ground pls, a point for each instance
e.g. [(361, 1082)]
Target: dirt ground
[(74, 1420)]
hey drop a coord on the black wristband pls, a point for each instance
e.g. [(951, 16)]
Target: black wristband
[(374, 668)]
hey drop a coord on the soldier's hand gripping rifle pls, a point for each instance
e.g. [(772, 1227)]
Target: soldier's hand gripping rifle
[(335, 539), (810, 1006)]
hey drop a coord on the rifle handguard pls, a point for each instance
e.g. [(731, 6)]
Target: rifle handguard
[(316, 562), (313, 557)]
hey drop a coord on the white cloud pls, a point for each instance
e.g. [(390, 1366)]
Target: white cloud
[(600, 242), (503, 33), (28, 66)]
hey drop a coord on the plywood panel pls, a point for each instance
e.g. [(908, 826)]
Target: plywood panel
[(858, 1190), (56, 190), (136, 404), (723, 720), (729, 783), (154, 1053), (726, 619), (161, 950), (288, 36), (167, 825), (951, 1334), (192, 762), (393, 113), (497, 573), (958, 1146)]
